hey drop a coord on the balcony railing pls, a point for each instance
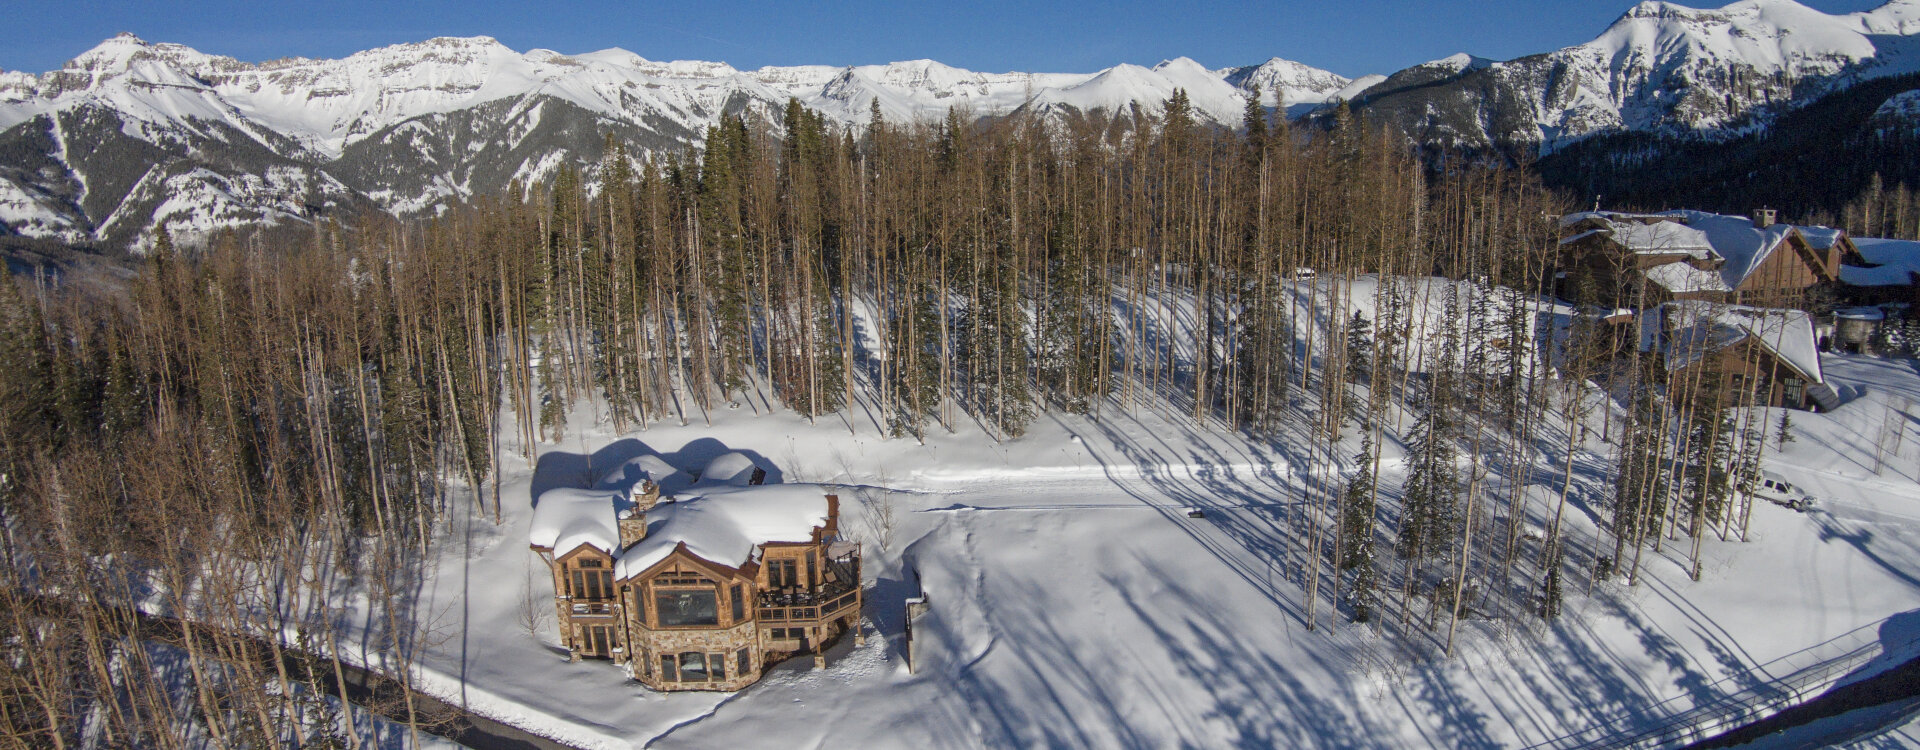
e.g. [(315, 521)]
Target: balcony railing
[(593, 608), (824, 603)]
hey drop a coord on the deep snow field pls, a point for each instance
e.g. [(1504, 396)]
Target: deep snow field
[(1074, 604)]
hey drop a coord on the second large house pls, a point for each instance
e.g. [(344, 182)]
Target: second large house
[(697, 585), (1629, 260)]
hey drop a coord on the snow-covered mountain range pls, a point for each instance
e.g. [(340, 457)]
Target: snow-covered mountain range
[(132, 134), (1660, 68)]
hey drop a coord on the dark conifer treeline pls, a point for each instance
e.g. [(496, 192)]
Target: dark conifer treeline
[(1810, 163)]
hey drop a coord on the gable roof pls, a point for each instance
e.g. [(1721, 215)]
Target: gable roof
[(1696, 328), (1895, 262), (566, 517), (726, 524), (1741, 247), (1744, 246)]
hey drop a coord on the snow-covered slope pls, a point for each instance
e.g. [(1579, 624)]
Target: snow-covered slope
[(131, 133), (1660, 67), (1285, 82)]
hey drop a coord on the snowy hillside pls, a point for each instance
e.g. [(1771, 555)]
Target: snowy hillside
[(131, 134), (1075, 603), (1660, 67)]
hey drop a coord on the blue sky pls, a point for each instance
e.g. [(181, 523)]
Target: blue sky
[(1353, 37)]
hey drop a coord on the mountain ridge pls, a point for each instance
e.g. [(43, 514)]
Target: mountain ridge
[(133, 134)]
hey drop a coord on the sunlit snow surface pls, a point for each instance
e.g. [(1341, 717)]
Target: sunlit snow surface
[(1074, 604)]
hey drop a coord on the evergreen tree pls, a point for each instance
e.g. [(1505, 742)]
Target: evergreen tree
[(1359, 348), (1643, 481), (1254, 124), (916, 366), (28, 410), (1430, 493), (1265, 354), (1710, 457), (1551, 594), (1362, 595), (1357, 520)]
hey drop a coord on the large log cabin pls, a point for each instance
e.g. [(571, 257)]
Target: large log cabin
[(1762, 356), (703, 590), (1626, 260)]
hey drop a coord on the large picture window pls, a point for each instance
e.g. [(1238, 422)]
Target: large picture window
[(685, 607)]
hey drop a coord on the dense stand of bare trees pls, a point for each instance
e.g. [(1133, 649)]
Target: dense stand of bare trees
[(239, 433)]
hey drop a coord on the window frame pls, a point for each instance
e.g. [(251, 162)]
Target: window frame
[(660, 612), (694, 661)]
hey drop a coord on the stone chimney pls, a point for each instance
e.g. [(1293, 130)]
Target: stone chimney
[(1764, 217), (633, 526), (648, 496)]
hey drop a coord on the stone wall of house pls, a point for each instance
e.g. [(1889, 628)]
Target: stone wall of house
[(651, 644)]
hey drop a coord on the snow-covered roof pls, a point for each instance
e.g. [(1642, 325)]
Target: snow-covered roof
[(1701, 235), (1682, 277), (1735, 238), (645, 467), (734, 469), (1860, 313), (1581, 236), (1821, 238), (722, 523), (567, 517), (1697, 327), (1663, 238), (725, 524), (1895, 262), (1606, 216)]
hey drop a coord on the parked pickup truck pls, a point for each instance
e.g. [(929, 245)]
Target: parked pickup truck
[(1778, 491)]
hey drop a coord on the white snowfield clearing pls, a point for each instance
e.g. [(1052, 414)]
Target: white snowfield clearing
[(1101, 615)]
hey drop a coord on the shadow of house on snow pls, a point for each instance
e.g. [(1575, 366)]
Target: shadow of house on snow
[(557, 469)]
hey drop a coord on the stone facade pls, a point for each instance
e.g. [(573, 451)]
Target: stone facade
[(722, 624), (732, 646)]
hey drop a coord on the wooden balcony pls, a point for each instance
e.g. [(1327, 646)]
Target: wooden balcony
[(590, 608), (805, 607)]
